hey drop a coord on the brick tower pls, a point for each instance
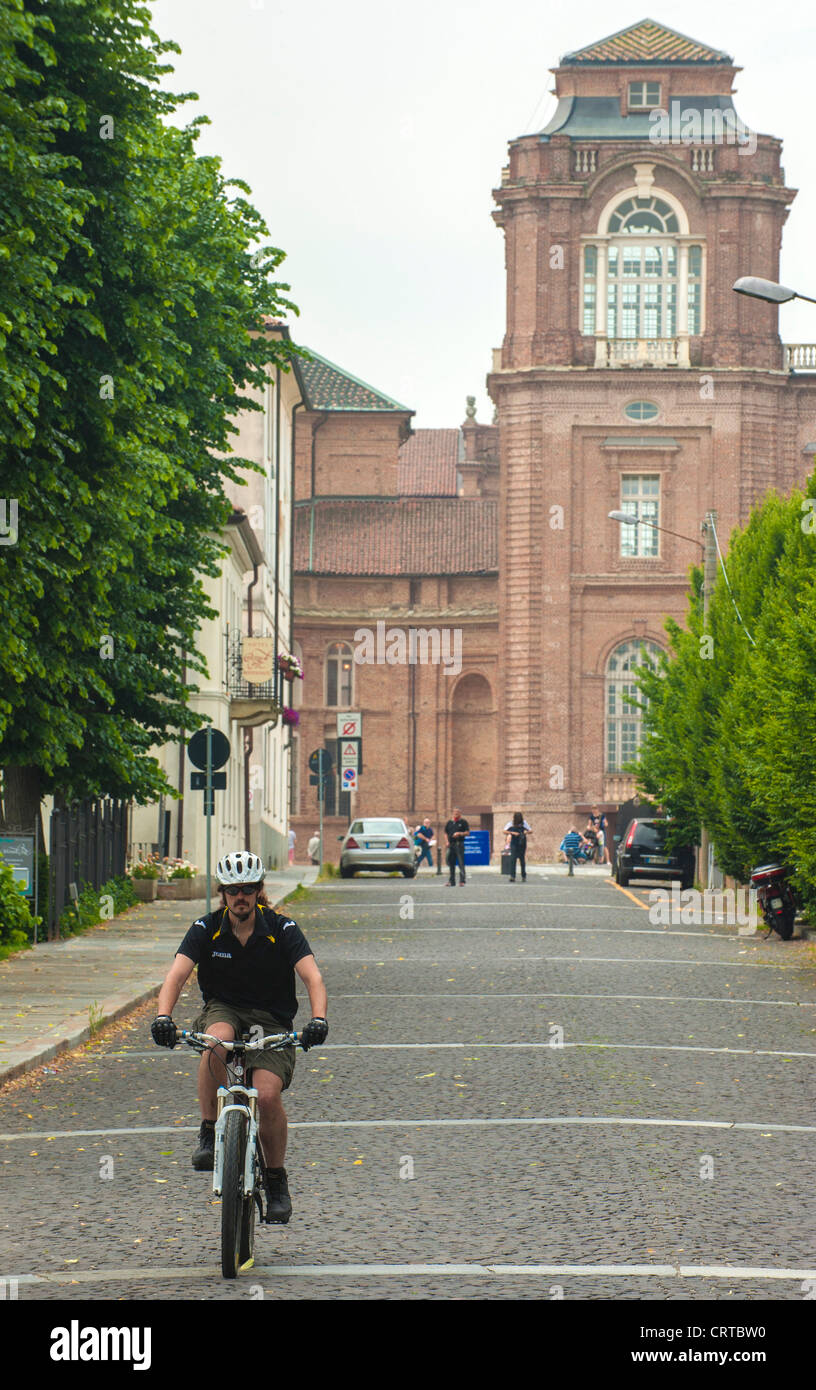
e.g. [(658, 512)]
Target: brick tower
[(631, 378)]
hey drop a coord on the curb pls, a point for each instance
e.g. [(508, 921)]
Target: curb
[(76, 1030), (119, 1006)]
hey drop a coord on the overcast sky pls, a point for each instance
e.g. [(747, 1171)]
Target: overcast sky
[(372, 136)]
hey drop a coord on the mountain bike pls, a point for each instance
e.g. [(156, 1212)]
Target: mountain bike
[(237, 1168)]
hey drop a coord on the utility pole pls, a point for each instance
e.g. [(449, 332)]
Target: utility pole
[(709, 562), (709, 581)]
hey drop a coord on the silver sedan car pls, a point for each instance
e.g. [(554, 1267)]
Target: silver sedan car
[(380, 844)]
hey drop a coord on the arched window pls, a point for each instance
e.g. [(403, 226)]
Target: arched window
[(642, 279), (624, 721), (339, 675)]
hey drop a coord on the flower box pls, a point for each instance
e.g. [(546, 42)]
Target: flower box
[(289, 667), (145, 888), (180, 889)]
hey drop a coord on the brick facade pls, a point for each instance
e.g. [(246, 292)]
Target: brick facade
[(548, 598)]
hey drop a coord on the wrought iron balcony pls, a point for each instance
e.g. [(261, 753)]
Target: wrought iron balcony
[(251, 702)]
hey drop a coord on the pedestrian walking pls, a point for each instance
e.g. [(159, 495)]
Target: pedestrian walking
[(424, 840), (455, 831), (292, 838), (313, 847), (517, 831), (247, 956)]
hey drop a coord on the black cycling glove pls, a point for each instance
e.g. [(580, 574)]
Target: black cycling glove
[(315, 1033), (163, 1030)]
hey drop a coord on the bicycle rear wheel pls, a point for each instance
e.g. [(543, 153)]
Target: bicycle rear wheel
[(232, 1192)]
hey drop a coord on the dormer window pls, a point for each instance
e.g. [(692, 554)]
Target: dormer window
[(644, 96)]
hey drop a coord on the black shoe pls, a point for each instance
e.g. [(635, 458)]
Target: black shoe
[(204, 1156), (279, 1204)]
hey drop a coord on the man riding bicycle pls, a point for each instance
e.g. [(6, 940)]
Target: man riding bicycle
[(247, 956)]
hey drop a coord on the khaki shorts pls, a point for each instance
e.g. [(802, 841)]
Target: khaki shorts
[(282, 1062)]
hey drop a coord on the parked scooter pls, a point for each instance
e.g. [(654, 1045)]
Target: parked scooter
[(776, 898)]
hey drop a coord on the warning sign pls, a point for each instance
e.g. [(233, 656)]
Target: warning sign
[(350, 754)]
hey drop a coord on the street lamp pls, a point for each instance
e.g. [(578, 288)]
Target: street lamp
[(627, 520), (709, 552), (768, 290)]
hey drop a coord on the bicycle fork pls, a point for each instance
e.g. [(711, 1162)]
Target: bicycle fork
[(247, 1106)]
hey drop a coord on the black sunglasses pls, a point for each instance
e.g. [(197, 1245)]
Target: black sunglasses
[(240, 888)]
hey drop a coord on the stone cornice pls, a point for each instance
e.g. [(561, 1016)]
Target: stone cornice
[(326, 617)]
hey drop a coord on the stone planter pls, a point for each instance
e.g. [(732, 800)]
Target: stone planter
[(145, 888), (180, 889)]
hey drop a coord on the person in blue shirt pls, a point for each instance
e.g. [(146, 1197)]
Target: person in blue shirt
[(572, 843), (423, 839)]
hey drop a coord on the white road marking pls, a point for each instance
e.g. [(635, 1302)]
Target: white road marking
[(637, 1121), (575, 931), (579, 959), (370, 1271), (549, 1046), (648, 998)]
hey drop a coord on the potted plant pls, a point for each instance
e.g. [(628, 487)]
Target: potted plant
[(145, 879), (289, 666), (291, 716), (178, 880)]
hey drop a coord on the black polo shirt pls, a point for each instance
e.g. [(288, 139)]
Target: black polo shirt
[(259, 975)]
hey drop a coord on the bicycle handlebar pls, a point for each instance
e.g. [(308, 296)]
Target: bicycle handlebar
[(273, 1042)]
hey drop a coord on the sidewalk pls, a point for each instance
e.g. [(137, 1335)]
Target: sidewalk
[(46, 993)]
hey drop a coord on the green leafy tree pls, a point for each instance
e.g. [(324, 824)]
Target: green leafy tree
[(119, 446), (730, 734)]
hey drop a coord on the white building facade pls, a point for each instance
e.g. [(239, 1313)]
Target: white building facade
[(252, 597)]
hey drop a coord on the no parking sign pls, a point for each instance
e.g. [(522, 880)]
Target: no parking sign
[(349, 779)]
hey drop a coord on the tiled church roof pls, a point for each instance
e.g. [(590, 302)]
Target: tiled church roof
[(646, 42), (329, 387), (428, 463), (404, 535)]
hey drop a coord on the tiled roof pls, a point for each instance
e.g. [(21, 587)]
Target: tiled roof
[(405, 535), (331, 388), (646, 42), (427, 464)]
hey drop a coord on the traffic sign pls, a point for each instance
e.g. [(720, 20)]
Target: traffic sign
[(320, 761), (197, 749), (349, 779), (350, 754), (350, 724), (198, 781)]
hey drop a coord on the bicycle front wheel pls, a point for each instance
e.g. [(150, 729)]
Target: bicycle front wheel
[(246, 1249), (232, 1192)]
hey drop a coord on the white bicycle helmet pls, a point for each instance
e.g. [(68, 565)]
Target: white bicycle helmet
[(240, 866)]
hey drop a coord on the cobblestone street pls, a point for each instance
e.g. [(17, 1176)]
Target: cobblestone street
[(528, 1092)]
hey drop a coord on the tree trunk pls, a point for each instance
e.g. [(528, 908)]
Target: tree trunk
[(21, 801)]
